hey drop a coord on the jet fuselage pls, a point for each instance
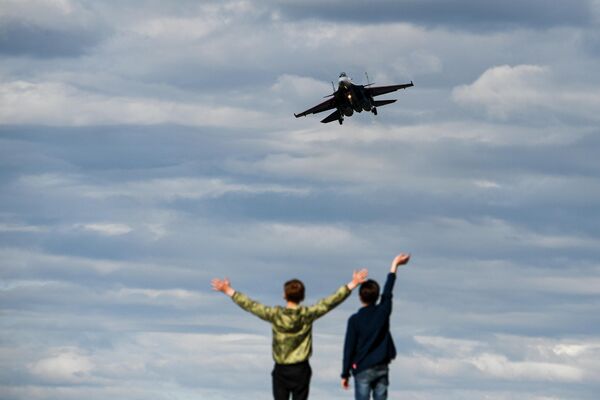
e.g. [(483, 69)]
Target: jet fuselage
[(352, 97)]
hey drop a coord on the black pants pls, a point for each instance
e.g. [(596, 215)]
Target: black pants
[(291, 379)]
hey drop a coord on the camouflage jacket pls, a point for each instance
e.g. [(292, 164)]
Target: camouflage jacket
[(292, 327)]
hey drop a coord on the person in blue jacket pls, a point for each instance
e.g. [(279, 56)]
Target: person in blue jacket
[(369, 347)]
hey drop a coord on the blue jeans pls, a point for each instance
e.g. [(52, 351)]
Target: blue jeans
[(373, 380)]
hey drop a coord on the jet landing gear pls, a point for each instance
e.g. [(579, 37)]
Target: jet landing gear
[(341, 120), (374, 110)]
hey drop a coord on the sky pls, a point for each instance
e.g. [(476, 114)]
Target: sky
[(147, 147)]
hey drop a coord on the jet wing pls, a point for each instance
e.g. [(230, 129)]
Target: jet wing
[(379, 90), (324, 106)]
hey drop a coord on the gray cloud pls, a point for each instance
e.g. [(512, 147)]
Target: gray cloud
[(465, 14), (151, 148), (24, 39)]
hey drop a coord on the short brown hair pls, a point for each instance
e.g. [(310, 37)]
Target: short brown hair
[(294, 290), (369, 292)]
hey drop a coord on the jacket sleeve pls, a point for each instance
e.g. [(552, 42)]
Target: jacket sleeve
[(261, 311), (327, 304), (386, 296), (349, 349)]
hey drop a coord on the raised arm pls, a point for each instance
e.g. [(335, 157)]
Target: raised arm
[(325, 305), (386, 295), (246, 303)]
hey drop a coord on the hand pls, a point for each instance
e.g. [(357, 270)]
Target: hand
[(346, 383), (358, 277), (400, 259), (222, 285)]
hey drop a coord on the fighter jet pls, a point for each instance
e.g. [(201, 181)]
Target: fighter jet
[(350, 97)]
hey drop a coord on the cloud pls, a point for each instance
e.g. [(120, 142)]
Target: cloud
[(491, 232), (21, 228), (14, 258), (568, 285), (48, 28), (63, 366), (177, 29), (323, 166), (150, 191), (186, 188), (500, 367), (309, 236), (515, 359), (18, 39), (177, 294), (458, 346), (107, 228), (504, 89), (17, 284), (292, 85), (523, 90), (40, 11), (464, 14), (59, 104)]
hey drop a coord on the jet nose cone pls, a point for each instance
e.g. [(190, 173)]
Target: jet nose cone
[(344, 82)]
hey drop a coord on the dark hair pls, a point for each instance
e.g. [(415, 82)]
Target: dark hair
[(369, 292), (294, 290)]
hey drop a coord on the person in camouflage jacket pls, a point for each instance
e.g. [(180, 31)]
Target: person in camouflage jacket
[(292, 330)]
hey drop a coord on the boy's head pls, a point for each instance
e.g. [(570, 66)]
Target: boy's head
[(369, 292), (294, 291)]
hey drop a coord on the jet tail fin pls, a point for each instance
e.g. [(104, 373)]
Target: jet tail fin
[(378, 103), (334, 116)]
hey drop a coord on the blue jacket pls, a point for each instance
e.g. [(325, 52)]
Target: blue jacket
[(368, 339)]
